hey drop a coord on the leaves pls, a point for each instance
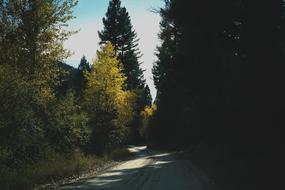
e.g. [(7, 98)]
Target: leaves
[(119, 31), (106, 99), (31, 45)]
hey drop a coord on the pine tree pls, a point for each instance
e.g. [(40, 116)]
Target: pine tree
[(80, 80), (147, 96), (84, 65), (119, 31), (165, 52)]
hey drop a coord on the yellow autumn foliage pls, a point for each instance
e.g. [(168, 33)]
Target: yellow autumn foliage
[(105, 93), (146, 115)]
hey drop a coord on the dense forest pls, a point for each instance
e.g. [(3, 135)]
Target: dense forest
[(50, 110), (218, 75)]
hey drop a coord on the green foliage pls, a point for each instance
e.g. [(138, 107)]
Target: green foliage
[(80, 81), (31, 45), (147, 96), (27, 128), (163, 67), (21, 125), (68, 127), (109, 106), (32, 34), (42, 122), (84, 65), (119, 31), (67, 80), (55, 167)]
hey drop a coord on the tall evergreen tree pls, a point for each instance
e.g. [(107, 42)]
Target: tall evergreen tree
[(119, 31), (222, 62), (165, 52)]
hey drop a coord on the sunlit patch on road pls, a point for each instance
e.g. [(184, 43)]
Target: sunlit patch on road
[(148, 170)]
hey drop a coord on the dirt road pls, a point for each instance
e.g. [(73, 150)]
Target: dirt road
[(149, 170)]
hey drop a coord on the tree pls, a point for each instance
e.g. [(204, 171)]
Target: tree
[(164, 53), (109, 105), (32, 35), (70, 124), (84, 65), (22, 133), (119, 31), (147, 96), (80, 80), (218, 75), (31, 45), (145, 128), (165, 78)]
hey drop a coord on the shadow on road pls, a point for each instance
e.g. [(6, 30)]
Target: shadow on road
[(150, 170)]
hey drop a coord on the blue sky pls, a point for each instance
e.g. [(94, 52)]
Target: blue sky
[(89, 14)]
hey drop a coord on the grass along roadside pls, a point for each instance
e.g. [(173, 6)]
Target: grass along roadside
[(60, 169)]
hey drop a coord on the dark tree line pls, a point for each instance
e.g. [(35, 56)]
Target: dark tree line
[(220, 80)]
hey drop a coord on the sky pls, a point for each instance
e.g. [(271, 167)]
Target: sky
[(88, 21)]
